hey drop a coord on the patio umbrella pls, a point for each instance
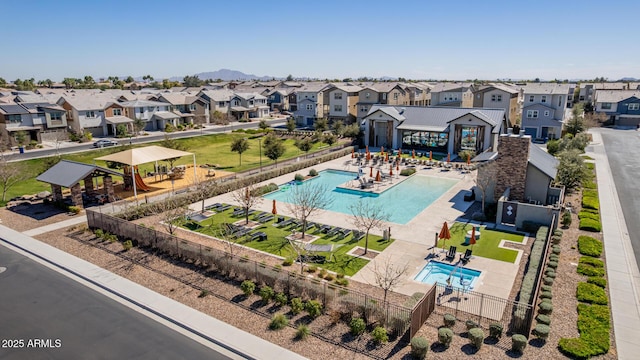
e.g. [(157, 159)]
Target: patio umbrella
[(448, 158), (368, 155), (353, 153), (370, 171), (413, 154), (391, 169), (472, 239), (397, 165), (273, 210), (444, 233), (386, 157), (367, 148), (430, 155), (468, 159), (378, 177), (381, 149)]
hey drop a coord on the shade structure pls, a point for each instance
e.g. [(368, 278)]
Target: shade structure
[(430, 155), (448, 157), (444, 233), (378, 176), (472, 239), (274, 211), (370, 171), (413, 154)]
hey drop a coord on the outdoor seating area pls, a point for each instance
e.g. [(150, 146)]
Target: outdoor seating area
[(487, 241)]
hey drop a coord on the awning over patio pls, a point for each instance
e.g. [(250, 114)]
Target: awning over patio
[(114, 120), (166, 115), (239, 108)]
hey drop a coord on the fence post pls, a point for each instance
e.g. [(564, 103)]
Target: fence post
[(481, 303)]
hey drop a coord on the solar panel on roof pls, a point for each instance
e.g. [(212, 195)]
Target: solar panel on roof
[(13, 109)]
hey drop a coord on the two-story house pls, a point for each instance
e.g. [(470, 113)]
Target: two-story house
[(192, 109), (309, 103), (38, 121), (86, 112), (155, 114), (248, 105), (342, 103), (419, 93), (367, 97), (544, 109), (621, 106), (498, 96), (452, 94), (278, 99), (218, 100)]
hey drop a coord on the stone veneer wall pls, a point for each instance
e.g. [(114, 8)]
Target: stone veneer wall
[(512, 161)]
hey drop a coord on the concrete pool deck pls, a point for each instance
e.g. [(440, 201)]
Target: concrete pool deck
[(413, 241)]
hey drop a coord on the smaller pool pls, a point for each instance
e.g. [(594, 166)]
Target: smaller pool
[(439, 272)]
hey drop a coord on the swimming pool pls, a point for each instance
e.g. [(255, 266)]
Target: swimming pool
[(439, 272), (402, 202)]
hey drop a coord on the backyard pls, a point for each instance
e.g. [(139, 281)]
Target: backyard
[(486, 244), (337, 261)]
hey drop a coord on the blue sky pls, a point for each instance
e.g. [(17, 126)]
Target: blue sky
[(458, 40)]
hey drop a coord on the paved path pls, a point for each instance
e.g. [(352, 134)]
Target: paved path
[(200, 327), (79, 219), (622, 268)]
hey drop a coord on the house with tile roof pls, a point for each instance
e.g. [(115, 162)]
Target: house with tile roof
[(544, 109), (438, 129)]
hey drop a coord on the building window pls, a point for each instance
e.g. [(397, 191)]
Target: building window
[(560, 101), (116, 112), (14, 119), (192, 107), (384, 96), (337, 108), (91, 114), (141, 110), (532, 114), (634, 106), (496, 97), (395, 96), (531, 98), (544, 99), (309, 106), (236, 102), (367, 94), (546, 113), (56, 116), (220, 103), (581, 98), (363, 109), (606, 106), (337, 95)]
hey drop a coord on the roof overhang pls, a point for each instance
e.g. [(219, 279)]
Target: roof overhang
[(118, 120)]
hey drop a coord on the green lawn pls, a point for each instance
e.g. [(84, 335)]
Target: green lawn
[(209, 149), (486, 246), (277, 244)]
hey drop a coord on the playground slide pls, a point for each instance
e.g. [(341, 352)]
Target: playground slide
[(140, 185)]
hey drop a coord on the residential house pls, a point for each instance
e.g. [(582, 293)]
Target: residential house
[(309, 103), (367, 97), (278, 99), (248, 105), (419, 93), (191, 108), (86, 112), (218, 100), (341, 103), (438, 129), (38, 121), (544, 109), (499, 96), (452, 94), (621, 106), (155, 114), (391, 93)]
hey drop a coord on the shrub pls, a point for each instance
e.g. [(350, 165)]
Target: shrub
[(593, 326), (589, 246), (556, 239), (303, 332), (590, 193), (298, 177), (589, 184), (566, 219), (541, 331), (340, 275), (357, 326), (342, 282), (545, 308), (590, 202), (590, 225), (554, 257), (591, 293), (546, 295), (329, 277), (314, 308), (602, 282), (407, 171), (266, 293), (449, 320), (552, 264), (550, 273), (296, 306), (535, 259), (380, 335), (311, 269), (557, 232), (518, 343), (590, 266), (547, 281), (278, 321), (470, 324), (495, 330), (127, 245), (99, 233), (287, 262), (280, 299), (248, 287), (445, 335), (203, 293), (419, 347), (74, 209), (543, 319), (476, 337), (546, 288), (313, 172), (556, 249), (585, 214), (322, 273)]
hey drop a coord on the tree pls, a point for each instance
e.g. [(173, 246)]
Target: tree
[(305, 200), (289, 77), (246, 197), (240, 145), (575, 124), (69, 83), (192, 81), (129, 79), (338, 127), (172, 215), (147, 78), (138, 125), (10, 175), (263, 125), (351, 131), (366, 216), (21, 137), (485, 179), (571, 170), (321, 124), (304, 145), (219, 118), (387, 276), (48, 83), (3, 82), (88, 82), (329, 139), (291, 124), (593, 119), (274, 149)]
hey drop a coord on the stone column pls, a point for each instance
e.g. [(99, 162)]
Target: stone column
[(512, 162), (76, 195), (88, 186), (107, 181), (56, 190)]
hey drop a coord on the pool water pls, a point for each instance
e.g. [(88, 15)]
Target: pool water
[(402, 202), (439, 272)]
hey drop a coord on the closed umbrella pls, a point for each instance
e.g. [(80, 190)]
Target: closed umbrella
[(353, 153), (386, 157), (468, 159), (397, 165), (413, 154), (430, 155), (391, 169), (378, 177), (472, 239), (448, 158), (444, 233), (368, 155), (370, 171), (273, 210)]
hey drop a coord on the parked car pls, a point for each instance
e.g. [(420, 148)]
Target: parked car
[(104, 142)]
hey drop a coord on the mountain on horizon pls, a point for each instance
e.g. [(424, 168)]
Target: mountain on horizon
[(628, 79), (227, 75)]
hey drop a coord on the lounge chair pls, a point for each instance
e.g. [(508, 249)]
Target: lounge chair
[(325, 229), (213, 206), (265, 219), (357, 235), (222, 208), (344, 233), (285, 223), (452, 253), (466, 257), (261, 236)]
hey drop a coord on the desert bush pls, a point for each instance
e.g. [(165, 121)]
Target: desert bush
[(547, 280), (590, 246), (329, 277), (296, 306), (342, 282), (594, 326), (543, 319), (248, 287), (445, 335), (278, 321), (127, 245), (590, 225), (590, 202), (298, 177), (591, 293), (545, 308), (419, 347), (602, 282), (518, 343), (470, 324), (449, 320), (357, 326), (556, 249), (379, 335), (280, 299), (546, 295), (566, 219), (74, 209), (476, 337), (314, 308), (313, 172), (407, 171), (541, 331), (495, 330), (552, 264), (287, 262), (590, 266), (303, 332), (586, 214), (557, 232)]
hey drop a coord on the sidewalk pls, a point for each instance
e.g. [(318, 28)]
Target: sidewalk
[(56, 226), (622, 269), (205, 329)]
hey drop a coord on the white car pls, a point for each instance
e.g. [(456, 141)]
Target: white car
[(104, 142)]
